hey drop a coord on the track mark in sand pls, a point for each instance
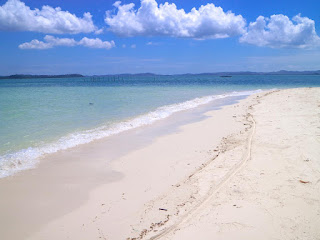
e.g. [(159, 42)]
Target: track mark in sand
[(207, 200), (226, 227), (165, 227)]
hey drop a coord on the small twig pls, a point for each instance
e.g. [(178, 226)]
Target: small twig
[(304, 181), (163, 209)]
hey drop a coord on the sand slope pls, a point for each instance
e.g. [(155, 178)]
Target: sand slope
[(114, 210), (272, 194)]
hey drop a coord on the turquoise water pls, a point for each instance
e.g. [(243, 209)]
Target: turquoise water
[(42, 116)]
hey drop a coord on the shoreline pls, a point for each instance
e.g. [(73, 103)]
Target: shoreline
[(183, 172), (29, 158), (63, 181)]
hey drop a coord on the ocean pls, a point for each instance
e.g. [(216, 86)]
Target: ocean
[(43, 116)]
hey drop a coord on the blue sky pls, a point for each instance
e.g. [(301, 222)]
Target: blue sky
[(159, 37)]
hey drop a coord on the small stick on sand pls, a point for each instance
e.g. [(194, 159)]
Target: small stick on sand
[(304, 181)]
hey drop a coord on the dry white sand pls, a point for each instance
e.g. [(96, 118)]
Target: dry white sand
[(275, 194), (248, 171)]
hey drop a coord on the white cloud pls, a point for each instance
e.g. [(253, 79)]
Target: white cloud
[(279, 31), (35, 44), (96, 43), (50, 42), (133, 46), (99, 31), (165, 19), (16, 16), (60, 41)]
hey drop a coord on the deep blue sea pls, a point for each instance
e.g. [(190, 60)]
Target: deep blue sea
[(43, 116)]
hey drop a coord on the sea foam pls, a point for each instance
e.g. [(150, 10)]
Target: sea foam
[(28, 158)]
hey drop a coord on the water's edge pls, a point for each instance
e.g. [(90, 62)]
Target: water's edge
[(29, 158)]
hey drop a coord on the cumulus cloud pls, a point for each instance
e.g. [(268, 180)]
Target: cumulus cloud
[(151, 19), (60, 41), (96, 43), (35, 44), (50, 42), (279, 31), (16, 16), (99, 31)]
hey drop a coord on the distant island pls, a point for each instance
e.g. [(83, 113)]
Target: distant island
[(281, 72), (26, 76), (221, 74)]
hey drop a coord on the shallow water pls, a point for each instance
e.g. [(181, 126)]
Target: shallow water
[(42, 116)]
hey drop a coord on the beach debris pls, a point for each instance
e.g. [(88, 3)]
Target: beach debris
[(151, 228), (304, 181), (163, 209), (123, 196)]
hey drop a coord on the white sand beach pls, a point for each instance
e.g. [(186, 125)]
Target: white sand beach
[(250, 170)]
